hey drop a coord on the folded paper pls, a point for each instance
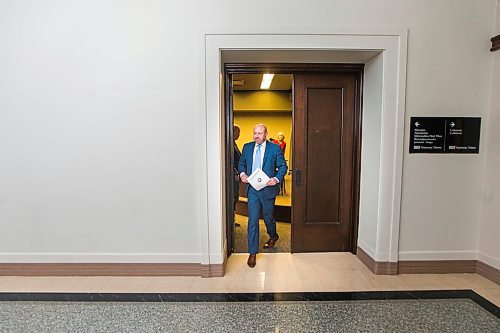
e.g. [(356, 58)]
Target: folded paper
[(258, 179)]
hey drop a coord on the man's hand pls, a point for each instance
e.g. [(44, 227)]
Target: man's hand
[(272, 182), (244, 179)]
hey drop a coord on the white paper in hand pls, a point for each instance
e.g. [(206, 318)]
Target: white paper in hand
[(258, 179)]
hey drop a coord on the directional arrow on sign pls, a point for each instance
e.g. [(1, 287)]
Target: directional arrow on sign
[(452, 124), (417, 124)]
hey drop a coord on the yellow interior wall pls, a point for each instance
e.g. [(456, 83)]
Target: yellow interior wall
[(262, 100), (271, 108), (278, 122)]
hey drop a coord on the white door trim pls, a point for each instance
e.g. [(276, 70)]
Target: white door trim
[(378, 227)]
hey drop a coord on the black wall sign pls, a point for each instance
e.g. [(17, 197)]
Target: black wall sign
[(444, 135)]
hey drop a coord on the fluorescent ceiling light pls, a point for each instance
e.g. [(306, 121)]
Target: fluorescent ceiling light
[(266, 81)]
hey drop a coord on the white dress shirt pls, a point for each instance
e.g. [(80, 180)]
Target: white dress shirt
[(262, 152)]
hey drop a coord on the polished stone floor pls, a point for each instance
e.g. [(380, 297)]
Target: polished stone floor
[(274, 273), (363, 312)]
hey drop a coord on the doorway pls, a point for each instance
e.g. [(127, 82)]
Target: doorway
[(324, 154), (253, 104)]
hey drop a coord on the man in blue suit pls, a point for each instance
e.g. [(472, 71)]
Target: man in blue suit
[(263, 154)]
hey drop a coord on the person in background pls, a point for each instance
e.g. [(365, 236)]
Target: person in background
[(236, 180), (281, 142), (267, 156)]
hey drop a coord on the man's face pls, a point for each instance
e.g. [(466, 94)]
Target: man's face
[(236, 133), (259, 134)]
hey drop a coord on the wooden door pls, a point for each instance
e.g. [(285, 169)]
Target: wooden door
[(325, 162)]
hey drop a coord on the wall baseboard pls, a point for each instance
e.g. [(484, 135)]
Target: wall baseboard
[(110, 269), (429, 267), (377, 267), (487, 271), (216, 270), (436, 266)]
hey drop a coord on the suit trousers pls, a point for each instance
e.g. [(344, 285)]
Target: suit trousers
[(258, 201)]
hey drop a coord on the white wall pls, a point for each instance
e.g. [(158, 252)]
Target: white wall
[(441, 193), (95, 97), (371, 128), (489, 230)]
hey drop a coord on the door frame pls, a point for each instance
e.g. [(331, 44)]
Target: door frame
[(384, 109), (291, 68)]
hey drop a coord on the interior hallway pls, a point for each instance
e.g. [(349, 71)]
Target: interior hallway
[(276, 272)]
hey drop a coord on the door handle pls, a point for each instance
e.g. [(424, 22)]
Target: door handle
[(298, 177)]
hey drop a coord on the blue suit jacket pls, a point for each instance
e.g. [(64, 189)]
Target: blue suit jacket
[(274, 165)]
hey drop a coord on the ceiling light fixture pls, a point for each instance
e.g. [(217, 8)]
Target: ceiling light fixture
[(266, 81)]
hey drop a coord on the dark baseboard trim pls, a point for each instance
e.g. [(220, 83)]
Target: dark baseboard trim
[(429, 267), (218, 270), (487, 271), (110, 269), (377, 267), (208, 271), (436, 266)]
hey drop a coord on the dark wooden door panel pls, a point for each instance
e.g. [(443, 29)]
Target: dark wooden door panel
[(325, 153), (324, 135)]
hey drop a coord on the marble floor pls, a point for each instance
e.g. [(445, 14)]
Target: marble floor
[(425, 311), (275, 272)]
